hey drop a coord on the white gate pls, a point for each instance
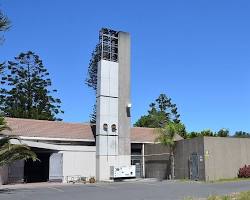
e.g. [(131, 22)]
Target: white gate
[(56, 167)]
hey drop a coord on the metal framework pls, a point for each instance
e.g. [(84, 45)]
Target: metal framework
[(108, 45)]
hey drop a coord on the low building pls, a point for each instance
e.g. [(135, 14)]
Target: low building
[(68, 150), (211, 158)]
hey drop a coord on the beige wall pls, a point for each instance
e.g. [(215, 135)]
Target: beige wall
[(124, 93), (79, 164), (224, 156)]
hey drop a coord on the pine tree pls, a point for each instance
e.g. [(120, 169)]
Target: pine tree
[(26, 89), (4, 24), (160, 113), (91, 80)]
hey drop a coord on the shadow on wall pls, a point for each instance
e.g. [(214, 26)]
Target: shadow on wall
[(160, 169), (157, 161)]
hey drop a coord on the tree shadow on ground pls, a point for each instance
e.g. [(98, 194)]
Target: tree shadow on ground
[(6, 191)]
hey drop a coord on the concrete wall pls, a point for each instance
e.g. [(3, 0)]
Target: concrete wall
[(157, 163), (224, 156), (3, 175), (107, 108), (79, 164), (113, 96), (183, 149), (13, 173), (124, 93), (106, 113), (16, 172)]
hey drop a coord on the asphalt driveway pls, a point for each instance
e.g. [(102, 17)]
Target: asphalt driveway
[(146, 190)]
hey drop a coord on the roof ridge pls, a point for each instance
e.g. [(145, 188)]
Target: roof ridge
[(43, 120), (143, 127), (63, 122)]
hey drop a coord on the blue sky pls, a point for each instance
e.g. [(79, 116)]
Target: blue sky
[(197, 52)]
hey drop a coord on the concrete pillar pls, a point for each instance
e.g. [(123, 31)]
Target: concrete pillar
[(143, 160), (124, 94), (113, 97)]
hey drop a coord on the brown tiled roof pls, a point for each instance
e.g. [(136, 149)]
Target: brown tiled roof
[(140, 134), (50, 129), (55, 129), (144, 135)]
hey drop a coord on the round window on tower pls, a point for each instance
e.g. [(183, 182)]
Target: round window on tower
[(113, 127), (105, 127)]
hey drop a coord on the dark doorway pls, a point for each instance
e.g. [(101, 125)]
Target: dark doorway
[(194, 166), (37, 171), (136, 159)]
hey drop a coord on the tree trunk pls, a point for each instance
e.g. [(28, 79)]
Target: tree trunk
[(172, 165)]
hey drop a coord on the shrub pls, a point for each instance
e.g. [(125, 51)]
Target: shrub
[(244, 172), (92, 180)]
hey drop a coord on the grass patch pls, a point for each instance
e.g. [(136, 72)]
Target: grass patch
[(184, 180), (235, 196), (230, 180), (224, 180), (238, 196)]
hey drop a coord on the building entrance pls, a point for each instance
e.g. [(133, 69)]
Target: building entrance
[(37, 171), (194, 166)]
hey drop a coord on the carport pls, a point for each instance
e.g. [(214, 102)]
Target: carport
[(57, 162), (38, 171)]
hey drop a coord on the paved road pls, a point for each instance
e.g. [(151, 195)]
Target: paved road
[(124, 191)]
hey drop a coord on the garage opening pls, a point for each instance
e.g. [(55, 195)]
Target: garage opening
[(37, 171)]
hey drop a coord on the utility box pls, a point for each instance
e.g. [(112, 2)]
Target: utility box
[(122, 172)]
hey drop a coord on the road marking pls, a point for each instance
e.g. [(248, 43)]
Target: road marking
[(104, 186), (57, 189)]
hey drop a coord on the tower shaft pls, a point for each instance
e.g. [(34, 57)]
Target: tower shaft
[(113, 98)]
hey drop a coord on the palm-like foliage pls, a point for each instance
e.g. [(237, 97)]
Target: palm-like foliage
[(166, 136), (12, 152), (3, 125)]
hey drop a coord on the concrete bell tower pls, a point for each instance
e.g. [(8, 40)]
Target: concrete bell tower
[(113, 103)]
